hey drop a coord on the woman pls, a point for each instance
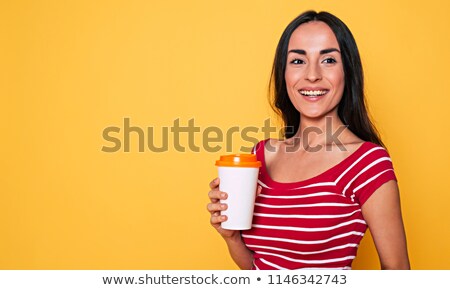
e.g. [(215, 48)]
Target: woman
[(331, 178)]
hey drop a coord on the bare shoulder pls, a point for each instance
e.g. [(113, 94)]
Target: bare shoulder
[(271, 147), (347, 146)]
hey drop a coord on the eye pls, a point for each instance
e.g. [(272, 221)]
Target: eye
[(297, 61), (329, 60)]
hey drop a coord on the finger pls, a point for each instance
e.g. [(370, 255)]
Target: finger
[(216, 194), (258, 191), (218, 219), (215, 207), (212, 197), (213, 184)]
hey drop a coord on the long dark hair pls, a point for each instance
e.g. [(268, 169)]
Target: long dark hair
[(352, 108)]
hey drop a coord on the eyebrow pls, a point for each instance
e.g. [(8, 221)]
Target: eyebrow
[(323, 51)]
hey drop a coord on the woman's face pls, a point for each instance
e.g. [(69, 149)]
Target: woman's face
[(314, 70)]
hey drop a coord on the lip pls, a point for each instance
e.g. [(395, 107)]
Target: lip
[(313, 89), (312, 99)]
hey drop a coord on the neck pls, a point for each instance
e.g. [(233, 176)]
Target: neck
[(322, 131)]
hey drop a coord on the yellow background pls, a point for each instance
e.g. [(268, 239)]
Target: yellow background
[(69, 69)]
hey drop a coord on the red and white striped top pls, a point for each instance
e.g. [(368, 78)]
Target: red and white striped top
[(315, 223)]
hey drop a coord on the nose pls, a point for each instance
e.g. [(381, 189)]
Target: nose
[(313, 73)]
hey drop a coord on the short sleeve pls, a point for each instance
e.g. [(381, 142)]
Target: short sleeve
[(375, 169)]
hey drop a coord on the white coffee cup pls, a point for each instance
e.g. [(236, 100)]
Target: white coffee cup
[(238, 175)]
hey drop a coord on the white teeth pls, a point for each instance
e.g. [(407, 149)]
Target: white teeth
[(313, 93)]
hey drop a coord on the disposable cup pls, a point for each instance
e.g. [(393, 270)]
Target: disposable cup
[(238, 175)]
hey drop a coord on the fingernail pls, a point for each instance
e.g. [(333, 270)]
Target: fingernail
[(223, 206), (223, 195)]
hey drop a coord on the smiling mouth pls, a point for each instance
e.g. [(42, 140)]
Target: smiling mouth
[(314, 93)]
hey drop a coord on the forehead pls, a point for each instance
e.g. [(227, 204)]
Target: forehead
[(314, 35)]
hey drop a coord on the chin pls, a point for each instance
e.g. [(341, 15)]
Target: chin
[(317, 113), (312, 115)]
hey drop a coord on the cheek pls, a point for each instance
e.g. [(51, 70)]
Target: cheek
[(340, 85), (291, 77), (338, 80), (290, 80)]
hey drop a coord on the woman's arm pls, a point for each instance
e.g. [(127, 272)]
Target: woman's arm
[(383, 215), (240, 254)]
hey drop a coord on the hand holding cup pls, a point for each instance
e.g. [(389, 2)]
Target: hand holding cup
[(215, 207), (217, 204)]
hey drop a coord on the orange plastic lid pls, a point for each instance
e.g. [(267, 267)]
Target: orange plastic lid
[(239, 160)]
